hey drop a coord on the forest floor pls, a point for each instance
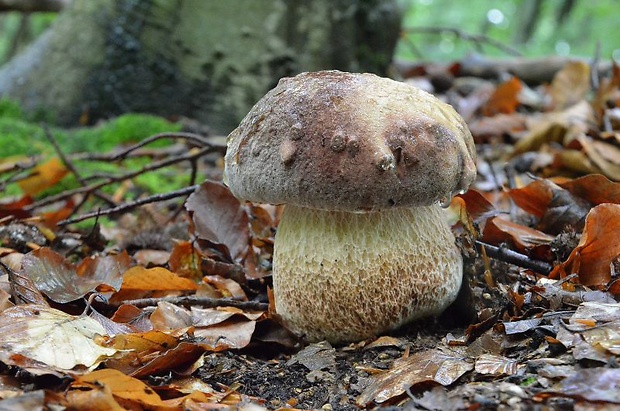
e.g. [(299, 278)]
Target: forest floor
[(181, 317)]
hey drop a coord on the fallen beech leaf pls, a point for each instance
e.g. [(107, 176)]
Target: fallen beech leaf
[(556, 127), (478, 207), (28, 401), (496, 365), (151, 341), (597, 248), (220, 219), (181, 356), (228, 335), (170, 317), (122, 387), (605, 156), (570, 85), (504, 99), (591, 384), (94, 399), (595, 188), (62, 281), (227, 287), (499, 230), (155, 279), (16, 208), (44, 176), (535, 197), (50, 336), (422, 367), (555, 206), (185, 260)]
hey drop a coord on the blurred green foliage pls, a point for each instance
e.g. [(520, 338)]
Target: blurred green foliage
[(506, 21)]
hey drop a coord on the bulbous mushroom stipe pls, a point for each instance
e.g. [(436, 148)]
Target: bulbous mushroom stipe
[(362, 164)]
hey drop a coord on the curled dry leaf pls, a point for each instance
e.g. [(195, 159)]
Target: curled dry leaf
[(63, 282), (594, 188), (591, 384), (556, 207), (220, 219), (570, 85), (155, 279), (126, 389), (597, 248), (426, 366), (496, 365), (59, 340), (499, 230), (504, 99)]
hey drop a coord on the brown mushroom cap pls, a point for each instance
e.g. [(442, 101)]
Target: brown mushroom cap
[(349, 142)]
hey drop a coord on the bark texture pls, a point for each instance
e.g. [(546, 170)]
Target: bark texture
[(206, 59)]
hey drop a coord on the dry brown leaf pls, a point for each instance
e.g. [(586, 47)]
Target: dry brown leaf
[(185, 260), (597, 248), (591, 384), (227, 335), (126, 389), (504, 99), (570, 85), (170, 317), (595, 188), (499, 125), (44, 176), (556, 207), (220, 219), (604, 156), (499, 230), (63, 282), (59, 340), (155, 279), (422, 367), (556, 127), (227, 287), (496, 365), (179, 357)]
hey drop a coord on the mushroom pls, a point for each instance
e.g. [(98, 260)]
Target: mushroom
[(362, 163)]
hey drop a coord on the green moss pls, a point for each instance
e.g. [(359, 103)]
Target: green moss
[(21, 137)]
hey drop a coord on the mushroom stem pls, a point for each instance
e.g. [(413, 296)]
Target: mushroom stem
[(346, 276)]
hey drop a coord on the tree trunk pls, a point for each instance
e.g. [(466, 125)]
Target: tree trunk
[(206, 59)]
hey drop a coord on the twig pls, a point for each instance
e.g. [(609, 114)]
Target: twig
[(69, 164), (191, 300), (128, 206), (110, 180), (476, 38), (513, 257), (202, 141)]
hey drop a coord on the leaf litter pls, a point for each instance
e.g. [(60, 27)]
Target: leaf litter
[(181, 315)]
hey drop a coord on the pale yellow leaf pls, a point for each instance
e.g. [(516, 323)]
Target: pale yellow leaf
[(52, 337)]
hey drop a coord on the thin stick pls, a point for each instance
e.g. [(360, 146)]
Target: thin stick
[(129, 206), (202, 141), (191, 300), (69, 164), (475, 38), (513, 257), (126, 176)]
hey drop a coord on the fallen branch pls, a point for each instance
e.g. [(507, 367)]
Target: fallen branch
[(131, 205), (191, 300), (127, 176), (478, 39), (512, 257)]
